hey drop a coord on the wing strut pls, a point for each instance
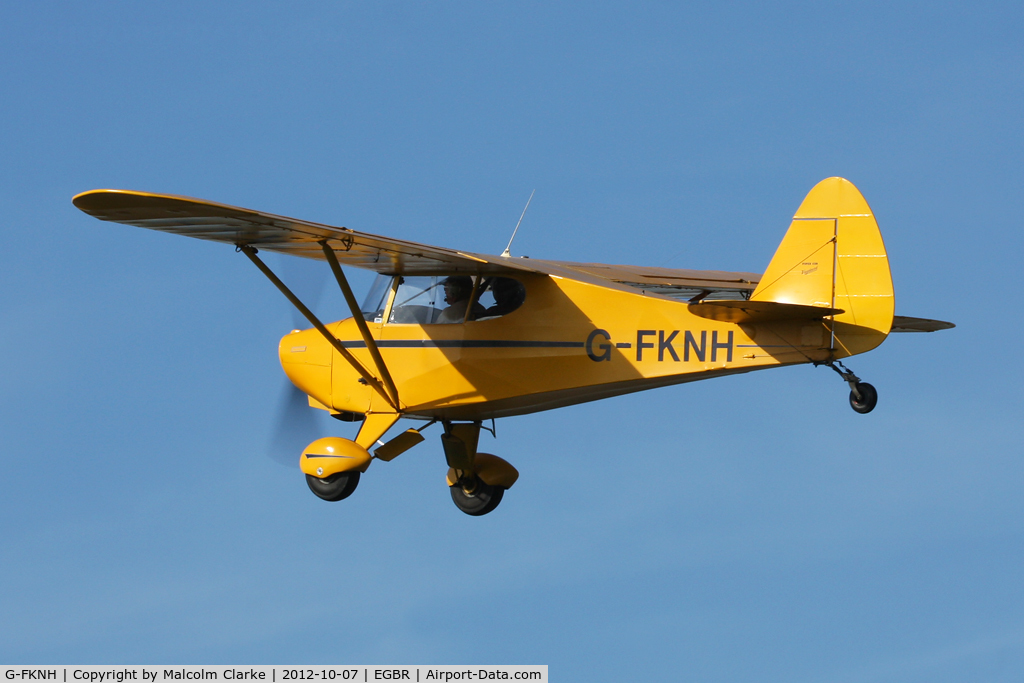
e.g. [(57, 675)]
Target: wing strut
[(357, 315), (338, 346)]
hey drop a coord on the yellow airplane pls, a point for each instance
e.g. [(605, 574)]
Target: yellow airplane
[(460, 338)]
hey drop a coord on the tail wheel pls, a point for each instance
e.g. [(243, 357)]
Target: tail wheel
[(475, 497), (335, 487), (868, 398)]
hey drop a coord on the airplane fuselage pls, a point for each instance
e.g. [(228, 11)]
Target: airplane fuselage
[(570, 342)]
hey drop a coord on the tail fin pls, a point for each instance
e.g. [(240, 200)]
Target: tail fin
[(833, 257)]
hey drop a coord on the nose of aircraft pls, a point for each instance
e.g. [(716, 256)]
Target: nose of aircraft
[(306, 359)]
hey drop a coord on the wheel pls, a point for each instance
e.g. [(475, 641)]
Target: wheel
[(335, 487), (868, 398), (471, 495)]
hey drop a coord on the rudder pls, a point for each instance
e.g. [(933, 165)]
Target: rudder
[(833, 257)]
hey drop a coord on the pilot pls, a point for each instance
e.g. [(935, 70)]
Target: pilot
[(457, 291), (508, 296)]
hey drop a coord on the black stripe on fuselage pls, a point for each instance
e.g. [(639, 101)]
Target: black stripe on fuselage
[(466, 344)]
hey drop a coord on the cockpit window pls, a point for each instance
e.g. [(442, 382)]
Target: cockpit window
[(459, 295), (454, 299), (376, 299), (500, 296), (417, 301)]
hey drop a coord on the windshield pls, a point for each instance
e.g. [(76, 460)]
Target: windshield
[(376, 299)]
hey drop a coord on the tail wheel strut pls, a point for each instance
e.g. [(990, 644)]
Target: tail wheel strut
[(863, 396)]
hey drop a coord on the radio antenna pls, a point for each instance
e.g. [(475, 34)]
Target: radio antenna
[(507, 252)]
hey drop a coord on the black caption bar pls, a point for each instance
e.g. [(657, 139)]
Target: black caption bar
[(274, 674)]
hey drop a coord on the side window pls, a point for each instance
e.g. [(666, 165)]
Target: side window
[(417, 300), (500, 296), (459, 293), (454, 299)]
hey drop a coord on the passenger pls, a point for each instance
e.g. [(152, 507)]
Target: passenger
[(457, 291), (509, 295)]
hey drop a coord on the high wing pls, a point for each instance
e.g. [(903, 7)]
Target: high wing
[(683, 285), (233, 225), (222, 223), (244, 227)]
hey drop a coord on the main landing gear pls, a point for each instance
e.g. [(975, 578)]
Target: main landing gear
[(332, 466), (474, 496), (863, 396), (477, 481), (335, 487)]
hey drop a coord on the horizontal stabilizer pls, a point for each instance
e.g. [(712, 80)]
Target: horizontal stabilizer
[(902, 323), (759, 311)]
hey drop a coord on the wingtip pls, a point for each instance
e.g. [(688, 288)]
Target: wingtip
[(80, 198), (86, 200)]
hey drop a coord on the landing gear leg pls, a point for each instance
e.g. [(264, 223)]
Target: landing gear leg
[(863, 396), (477, 481)]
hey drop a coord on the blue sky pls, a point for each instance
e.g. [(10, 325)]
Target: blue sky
[(749, 528)]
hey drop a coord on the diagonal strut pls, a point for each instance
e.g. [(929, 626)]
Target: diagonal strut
[(308, 314), (357, 315)]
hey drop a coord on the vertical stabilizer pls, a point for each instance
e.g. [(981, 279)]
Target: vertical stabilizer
[(833, 256)]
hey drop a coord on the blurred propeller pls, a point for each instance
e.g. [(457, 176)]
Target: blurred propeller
[(306, 278), (295, 426)]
